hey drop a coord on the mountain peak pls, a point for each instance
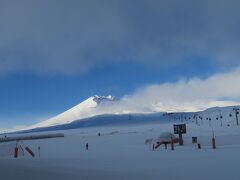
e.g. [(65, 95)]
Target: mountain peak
[(101, 99), (83, 110)]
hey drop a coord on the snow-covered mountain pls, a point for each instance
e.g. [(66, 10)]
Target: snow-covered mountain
[(83, 110), (105, 110)]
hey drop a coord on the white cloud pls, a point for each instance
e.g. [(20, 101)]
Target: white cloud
[(186, 95)]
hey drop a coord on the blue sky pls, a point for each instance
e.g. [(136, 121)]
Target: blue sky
[(27, 92), (55, 54)]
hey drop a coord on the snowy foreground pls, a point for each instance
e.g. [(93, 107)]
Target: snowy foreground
[(121, 153)]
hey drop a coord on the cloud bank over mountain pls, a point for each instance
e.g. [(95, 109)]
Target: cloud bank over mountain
[(73, 37), (195, 94)]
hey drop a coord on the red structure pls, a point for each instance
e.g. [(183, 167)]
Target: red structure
[(213, 143), (16, 152)]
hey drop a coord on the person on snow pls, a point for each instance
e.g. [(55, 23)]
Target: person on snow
[(165, 144)]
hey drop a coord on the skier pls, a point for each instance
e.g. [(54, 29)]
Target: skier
[(86, 146), (165, 144)]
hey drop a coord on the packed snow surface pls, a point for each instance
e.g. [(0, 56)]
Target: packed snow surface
[(121, 152)]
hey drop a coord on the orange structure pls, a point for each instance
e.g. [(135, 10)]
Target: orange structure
[(213, 143), (16, 152)]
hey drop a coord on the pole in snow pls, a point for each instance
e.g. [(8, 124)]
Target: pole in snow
[(172, 144), (213, 141), (39, 151), (236, 112), (16, 152)]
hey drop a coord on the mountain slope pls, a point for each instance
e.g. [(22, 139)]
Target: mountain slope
[(105, 110), (80, 111), (210, 118)]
